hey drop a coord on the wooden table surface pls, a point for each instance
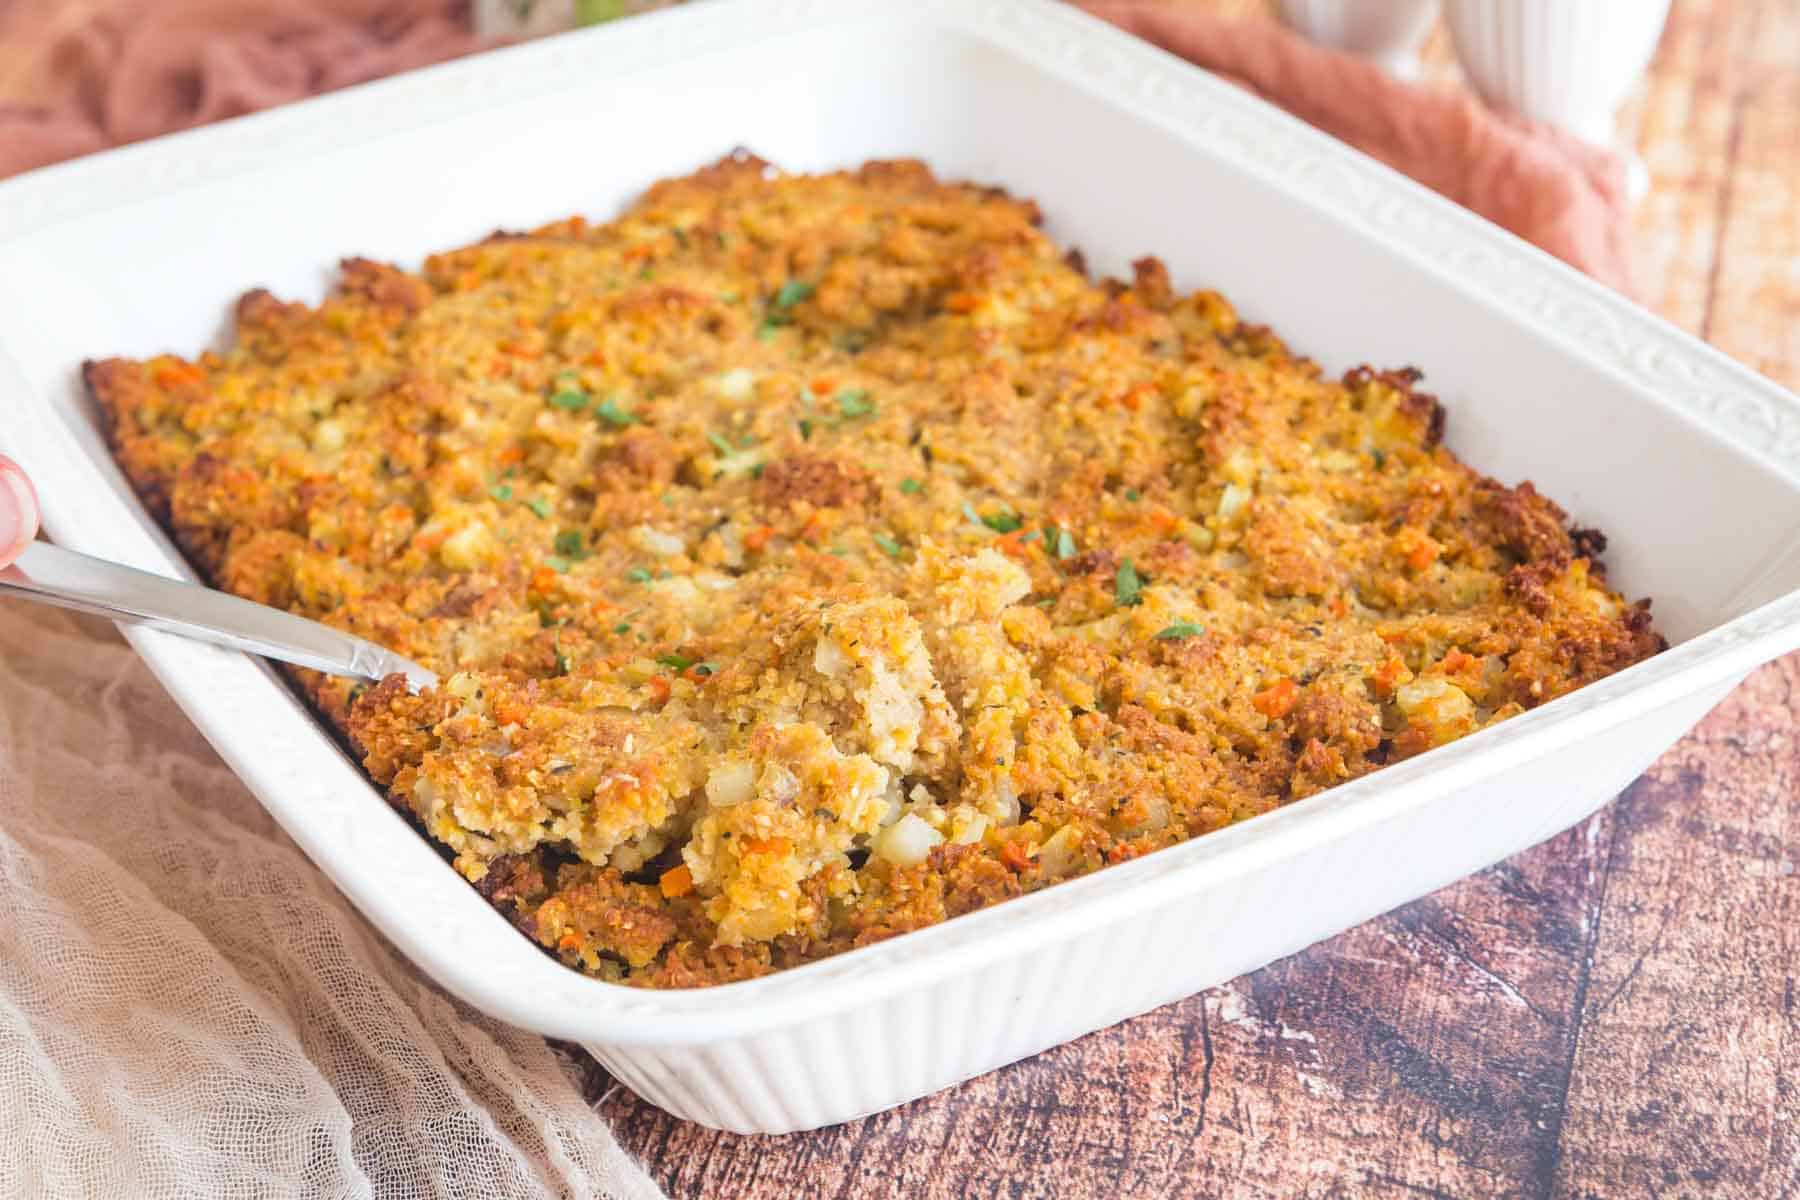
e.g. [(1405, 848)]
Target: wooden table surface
[(1613, 1013)]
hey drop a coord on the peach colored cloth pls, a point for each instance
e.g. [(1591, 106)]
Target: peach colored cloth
[(143, 68), (1542, 184)]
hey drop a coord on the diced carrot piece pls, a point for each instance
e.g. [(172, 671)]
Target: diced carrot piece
[(695, 675), (659, 688), (1339, 606), (543, 580), (1422, 555), (1165, 522), (1387, 676), (511, 455), (821, 386), (962, 302), (1276, 700), (1456, 660), (176, 374), (1013, 854), (759, 537), (768, 845), (676, 881)]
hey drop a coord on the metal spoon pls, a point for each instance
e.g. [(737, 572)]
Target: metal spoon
[(52, 575)]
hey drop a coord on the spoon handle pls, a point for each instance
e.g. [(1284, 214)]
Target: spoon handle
[(52, 575)]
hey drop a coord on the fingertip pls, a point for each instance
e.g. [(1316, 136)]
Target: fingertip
[(18, 510)]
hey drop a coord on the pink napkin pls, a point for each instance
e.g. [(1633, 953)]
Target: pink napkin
[(140, 69), (1542, 184)]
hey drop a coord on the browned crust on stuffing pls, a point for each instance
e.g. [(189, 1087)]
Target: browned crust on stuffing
[(812, 559)]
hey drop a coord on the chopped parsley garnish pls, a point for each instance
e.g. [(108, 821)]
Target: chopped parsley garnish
[(500, 492), (1031, 537), (855, 403), (540, 506), (558, 564), (911, 487), (793, 292), (569, 400), (622, 627), (706, 668), (610, 412), (720, 443), (1065, 544), (562, 662), (1133, 495), (677, 661), (638, 575), (1002, 522), (572, 544), (888, 545), (766, 331), (1380, 457), (1128, 585), (805, 430), (1180, 629)]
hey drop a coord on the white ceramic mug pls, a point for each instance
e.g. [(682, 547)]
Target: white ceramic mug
[(1388, 31), (1568, 62)]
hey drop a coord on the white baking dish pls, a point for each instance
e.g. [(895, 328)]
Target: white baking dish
[(1690, 462)]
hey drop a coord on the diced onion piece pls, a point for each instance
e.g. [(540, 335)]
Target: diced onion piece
[(1233, 499), (736, 384), (658, 542), (907, 841), (730, 783), (1056, 857)]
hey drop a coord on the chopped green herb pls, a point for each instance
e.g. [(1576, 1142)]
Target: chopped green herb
[(610, 412), (1380, 457), (558, 564), (638, 575), (1128, 585), (676, 661), (1002, 522), (622, 627), (1065, 544), (720, 443), (1133, 495), (647, 273), (562, 662), (1180, 629), (569, 401), (665, 574), (728, 297), (1045, 602), (593, 12), (793, 292), (502, 492), (1033, 536), (911, 487), (766, 331), (888, 545), (540, 506), (855, 403), (668, 498), (706, 668), (805, 430), (572, 544), (840, 552)]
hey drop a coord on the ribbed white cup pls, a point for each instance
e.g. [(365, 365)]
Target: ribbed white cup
[(1568, 62), (1388, 31)]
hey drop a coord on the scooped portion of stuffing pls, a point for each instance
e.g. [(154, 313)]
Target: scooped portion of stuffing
[(809, 559)]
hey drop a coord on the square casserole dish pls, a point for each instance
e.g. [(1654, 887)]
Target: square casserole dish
[(1690, 462)]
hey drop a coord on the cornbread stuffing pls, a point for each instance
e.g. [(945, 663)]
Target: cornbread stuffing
[(809, 559)]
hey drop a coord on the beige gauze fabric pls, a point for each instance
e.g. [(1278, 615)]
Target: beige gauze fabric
[(189, 1009)]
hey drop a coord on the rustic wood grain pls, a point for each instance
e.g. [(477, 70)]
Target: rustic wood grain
[(1612, 1013)]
